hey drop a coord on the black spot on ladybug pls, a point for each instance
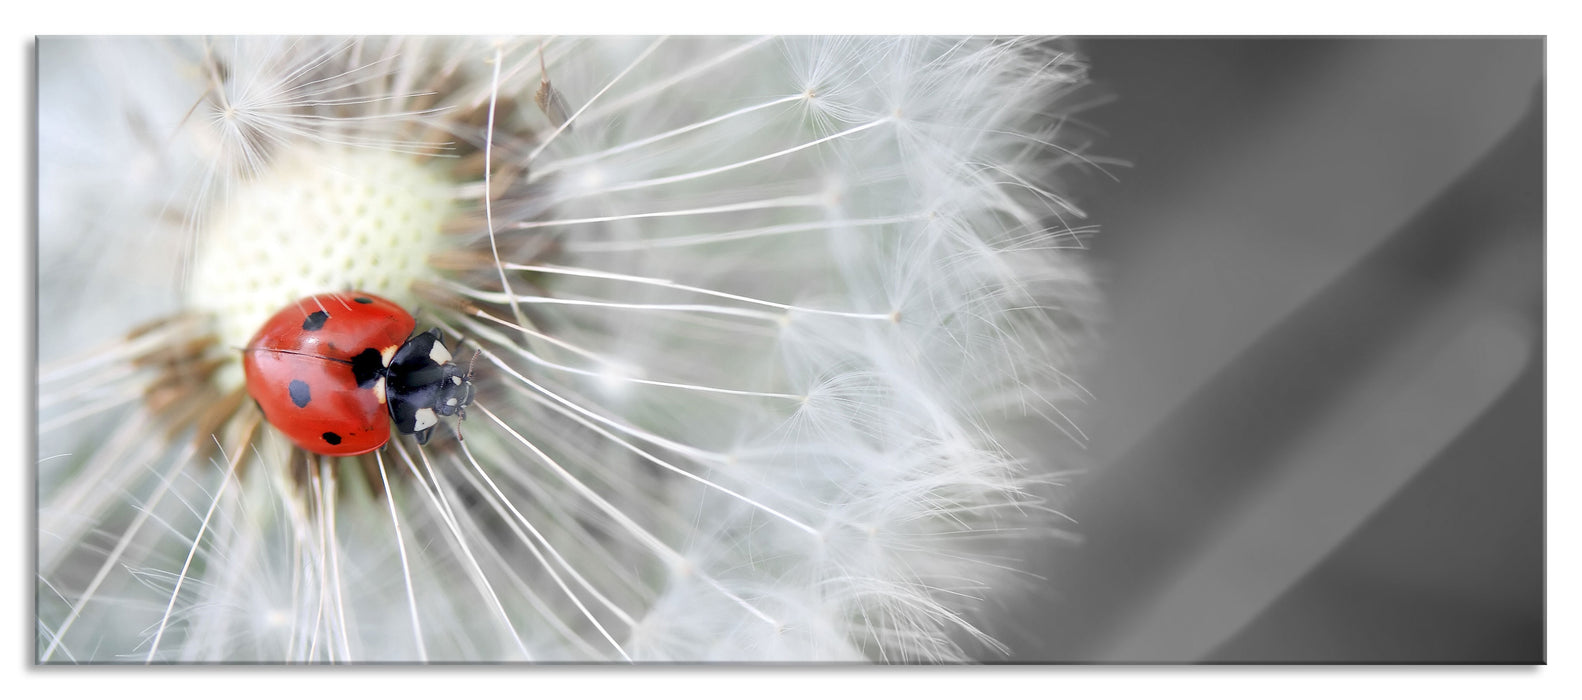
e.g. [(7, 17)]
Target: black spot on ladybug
[(299, 393), (315, 320), (332, 438), (362, 300), (367, 367)]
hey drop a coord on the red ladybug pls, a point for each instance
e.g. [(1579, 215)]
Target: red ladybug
[(333, 371)]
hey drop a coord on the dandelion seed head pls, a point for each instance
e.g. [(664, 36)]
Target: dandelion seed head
[(748, 318), (318, 219)]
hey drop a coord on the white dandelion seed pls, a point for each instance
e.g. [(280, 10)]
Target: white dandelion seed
[(749, 315)]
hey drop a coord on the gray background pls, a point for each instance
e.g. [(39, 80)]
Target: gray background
[(1318, 427)]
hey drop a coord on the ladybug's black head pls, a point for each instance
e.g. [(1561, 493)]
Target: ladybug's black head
[(455, 390), (422, 385)]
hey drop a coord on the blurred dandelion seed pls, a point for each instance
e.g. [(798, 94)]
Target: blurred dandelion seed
[(749, 315)]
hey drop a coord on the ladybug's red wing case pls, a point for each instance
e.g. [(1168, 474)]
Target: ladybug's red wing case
[(338, 325), (315, 402), (315, 369)]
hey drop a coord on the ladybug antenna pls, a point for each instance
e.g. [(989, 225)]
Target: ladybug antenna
[(461, 411)]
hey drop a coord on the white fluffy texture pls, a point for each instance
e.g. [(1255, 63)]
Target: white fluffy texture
[(796, 288), (319, 219)]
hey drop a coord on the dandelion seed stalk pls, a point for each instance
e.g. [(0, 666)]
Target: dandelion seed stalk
[(750, 317)]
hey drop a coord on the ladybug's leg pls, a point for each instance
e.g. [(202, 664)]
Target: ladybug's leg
[(422, 435), (460, 341)]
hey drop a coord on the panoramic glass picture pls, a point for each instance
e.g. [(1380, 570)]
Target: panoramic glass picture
[(820, 349)]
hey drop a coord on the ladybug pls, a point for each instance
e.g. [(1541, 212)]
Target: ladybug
[(333, 371)]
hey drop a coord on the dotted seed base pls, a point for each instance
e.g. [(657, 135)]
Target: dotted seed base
[(318, 220)]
